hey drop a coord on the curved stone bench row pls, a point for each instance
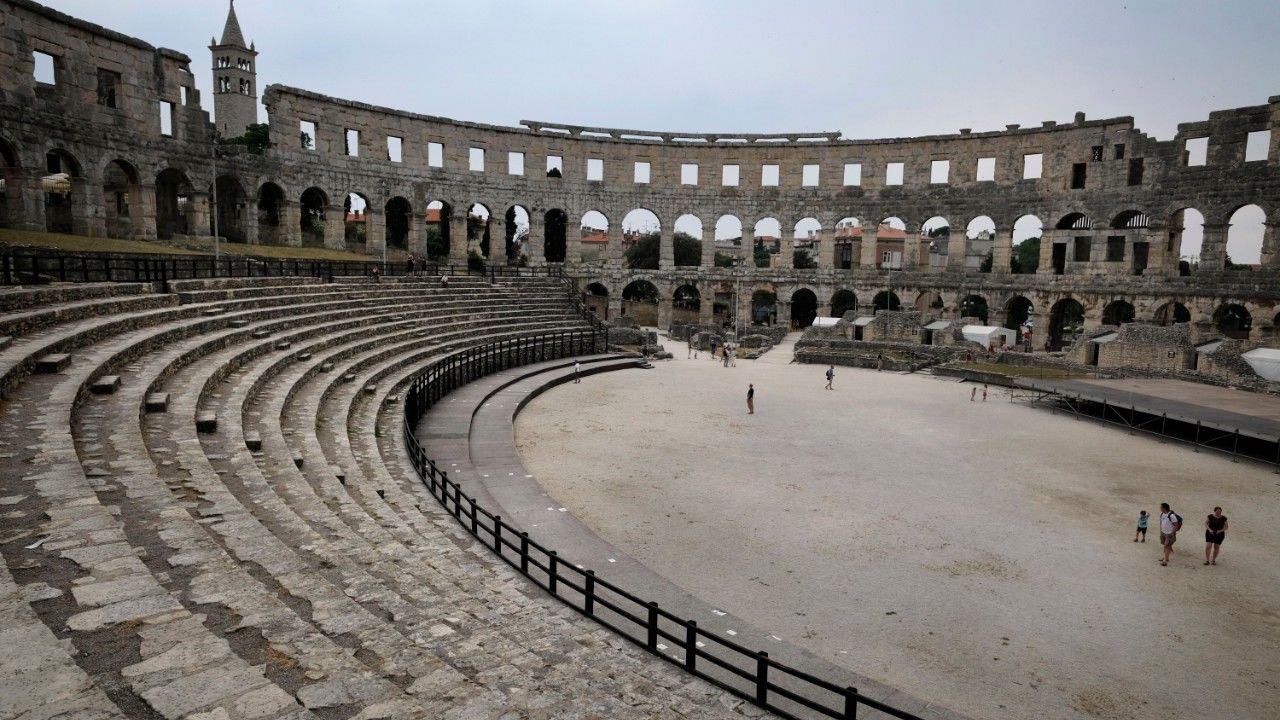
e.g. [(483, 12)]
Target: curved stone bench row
[(18, 298), (185, 573)]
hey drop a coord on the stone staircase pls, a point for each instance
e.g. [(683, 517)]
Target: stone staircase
[(208, 513)]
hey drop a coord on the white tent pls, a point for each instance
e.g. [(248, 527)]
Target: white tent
[(825, 321), (988, 335), (1265, 362)]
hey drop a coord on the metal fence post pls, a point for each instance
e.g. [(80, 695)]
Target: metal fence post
[(762, 677), (850, 703), (524, 552), (653, 626), (691, 645), (553, 571), (497, 534), (589, 603)]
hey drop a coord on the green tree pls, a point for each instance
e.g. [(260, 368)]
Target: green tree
[(802, 260), (723, 260), (643, 254), (688, 249), (1026, 256), (761, 254), (437, 246), (257, 138)]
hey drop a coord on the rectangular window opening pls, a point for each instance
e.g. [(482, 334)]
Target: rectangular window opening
[(1257, 146), (166, 118), (769, 176), (307, 135), (475, 159), (986, 169), (1083, 245), (109, 84), (515, 163), (435, 154), (809, 175), (1135, 171), (893, 173), (729, 175), (939, 171), (1079, 172), (1120, 151), (46, 68), (852, 174), (1197, 152), (184, 95), (1096, 152), (1115, 248), (395, 148), (555, 166), (595, 170), (688, 174), (351, 139), (641, 173), (1032, 166)]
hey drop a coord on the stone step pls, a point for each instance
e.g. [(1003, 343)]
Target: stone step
[(157, 402), (53, 363), (260, 334), (207, 422), (209, 312), (105, 385), (239, 323), (253, 441), (304, 356), (283, 345)]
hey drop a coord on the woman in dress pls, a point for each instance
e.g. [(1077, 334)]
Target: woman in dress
[(1215, 531)]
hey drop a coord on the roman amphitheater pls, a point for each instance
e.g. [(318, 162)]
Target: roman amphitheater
[(495, 467)]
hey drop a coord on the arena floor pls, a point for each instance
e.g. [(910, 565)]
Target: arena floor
[(978, 555)]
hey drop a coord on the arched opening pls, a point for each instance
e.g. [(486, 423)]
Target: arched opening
[(804, 308), (843, 301), (974, 306), (688, 241), (1130, 220), (555, 223), (1233, 321), (886, 300), (311, 216), (478, 231), (728, 241), (1017, 312), (640, 301), (119, 190), (1171, 313), (928, 302), (1118, 312), (1186, 236), (1027, 232), (62, 173), (598, 300), (517, 235), (173, 204), (1075, 221), (641, 239), (764, 307), (355, 222), (232, 209), (1066, 320), (398, 216), (10, 177), (594, 237), (847, 238), (805, 241), (980, 241), (767, 246), (270, 211), (437, 220), (936, 232), (686, 304), (1244, 238)]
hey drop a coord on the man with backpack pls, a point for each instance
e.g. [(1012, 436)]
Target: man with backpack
[(1170, 524)]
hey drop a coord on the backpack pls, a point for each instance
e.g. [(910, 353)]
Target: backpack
[(1175, 518)]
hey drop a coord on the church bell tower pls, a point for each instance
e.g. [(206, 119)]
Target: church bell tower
[(235, 79)]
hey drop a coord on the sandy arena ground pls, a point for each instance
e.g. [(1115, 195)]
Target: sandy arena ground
[(976, 555)]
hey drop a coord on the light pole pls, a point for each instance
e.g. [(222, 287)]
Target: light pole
[(217, 246)]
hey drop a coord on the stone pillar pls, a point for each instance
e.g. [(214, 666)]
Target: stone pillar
[(666, 250), (742, 313), (826, 249), (142, 212), (615, 306), (572, 246), (956, 242), (199, 224), (1213, 250), (613, 253), (32, 191), (783, 315), (335, 227), (1039, 330), (458, 239), (708, 245), (1002, 252), (1270, 238), (664, 313), (250, 224), (375, 232), (748, 246), (291, 223), (911, 250), (868, 257), (416, 240), (82, 211), (535, 242), (95, 210), (1045, 265), (706, 305)]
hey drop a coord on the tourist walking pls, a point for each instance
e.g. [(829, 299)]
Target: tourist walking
[(831, 375), (724, 355), (1143, 518), (577, 372), (733, 356), (973, 394), (984, 392), (1170, 524), (1215, 531), (751, 399), (444, 281)]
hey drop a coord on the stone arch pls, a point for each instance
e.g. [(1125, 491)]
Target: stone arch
[(1186, 237), (270, 217), (686, 303), (1075, 221), (479, 229), (975, 306), (121, 190), (63, 186), (1171, 312), (555, 226), (398, 219), (1066, 320), (356, 220), (935, 233), (806, 235), (1233, 320), (1026, 228), (843, 301), (767, 235), (1246, 227), (597, 298), (11, 173), (1118, 312), (1017, 311), (516, 234), (804, 307), (173, 203), (928, 301), (232, 209), (438, 222), (727, 240), (642, 239), (886, 300), (593, 236), (687, 241), (764, 305), (311, 218), (979, 244), (1130, 220), (847, 239), (640, 301)]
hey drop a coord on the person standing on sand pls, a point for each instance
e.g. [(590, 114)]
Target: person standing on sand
[(831, 375), (1215, 531), (751, 399), (1170, 524), (577, 371), (1143, 518), (984, 392)]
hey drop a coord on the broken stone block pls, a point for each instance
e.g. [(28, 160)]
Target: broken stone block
[(207, 422), (253, 441), (297, 461), (339, 473), (326, 366), (157, 402), (239, 323), (284, 345), (213, 311), (370, 389), (260, 334), (303, 357), (53, 363), (105, 385), (349, 377)]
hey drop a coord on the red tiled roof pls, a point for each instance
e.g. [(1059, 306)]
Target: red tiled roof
[(884, 232)]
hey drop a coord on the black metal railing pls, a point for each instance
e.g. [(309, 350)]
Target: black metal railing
[(749, 674)]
